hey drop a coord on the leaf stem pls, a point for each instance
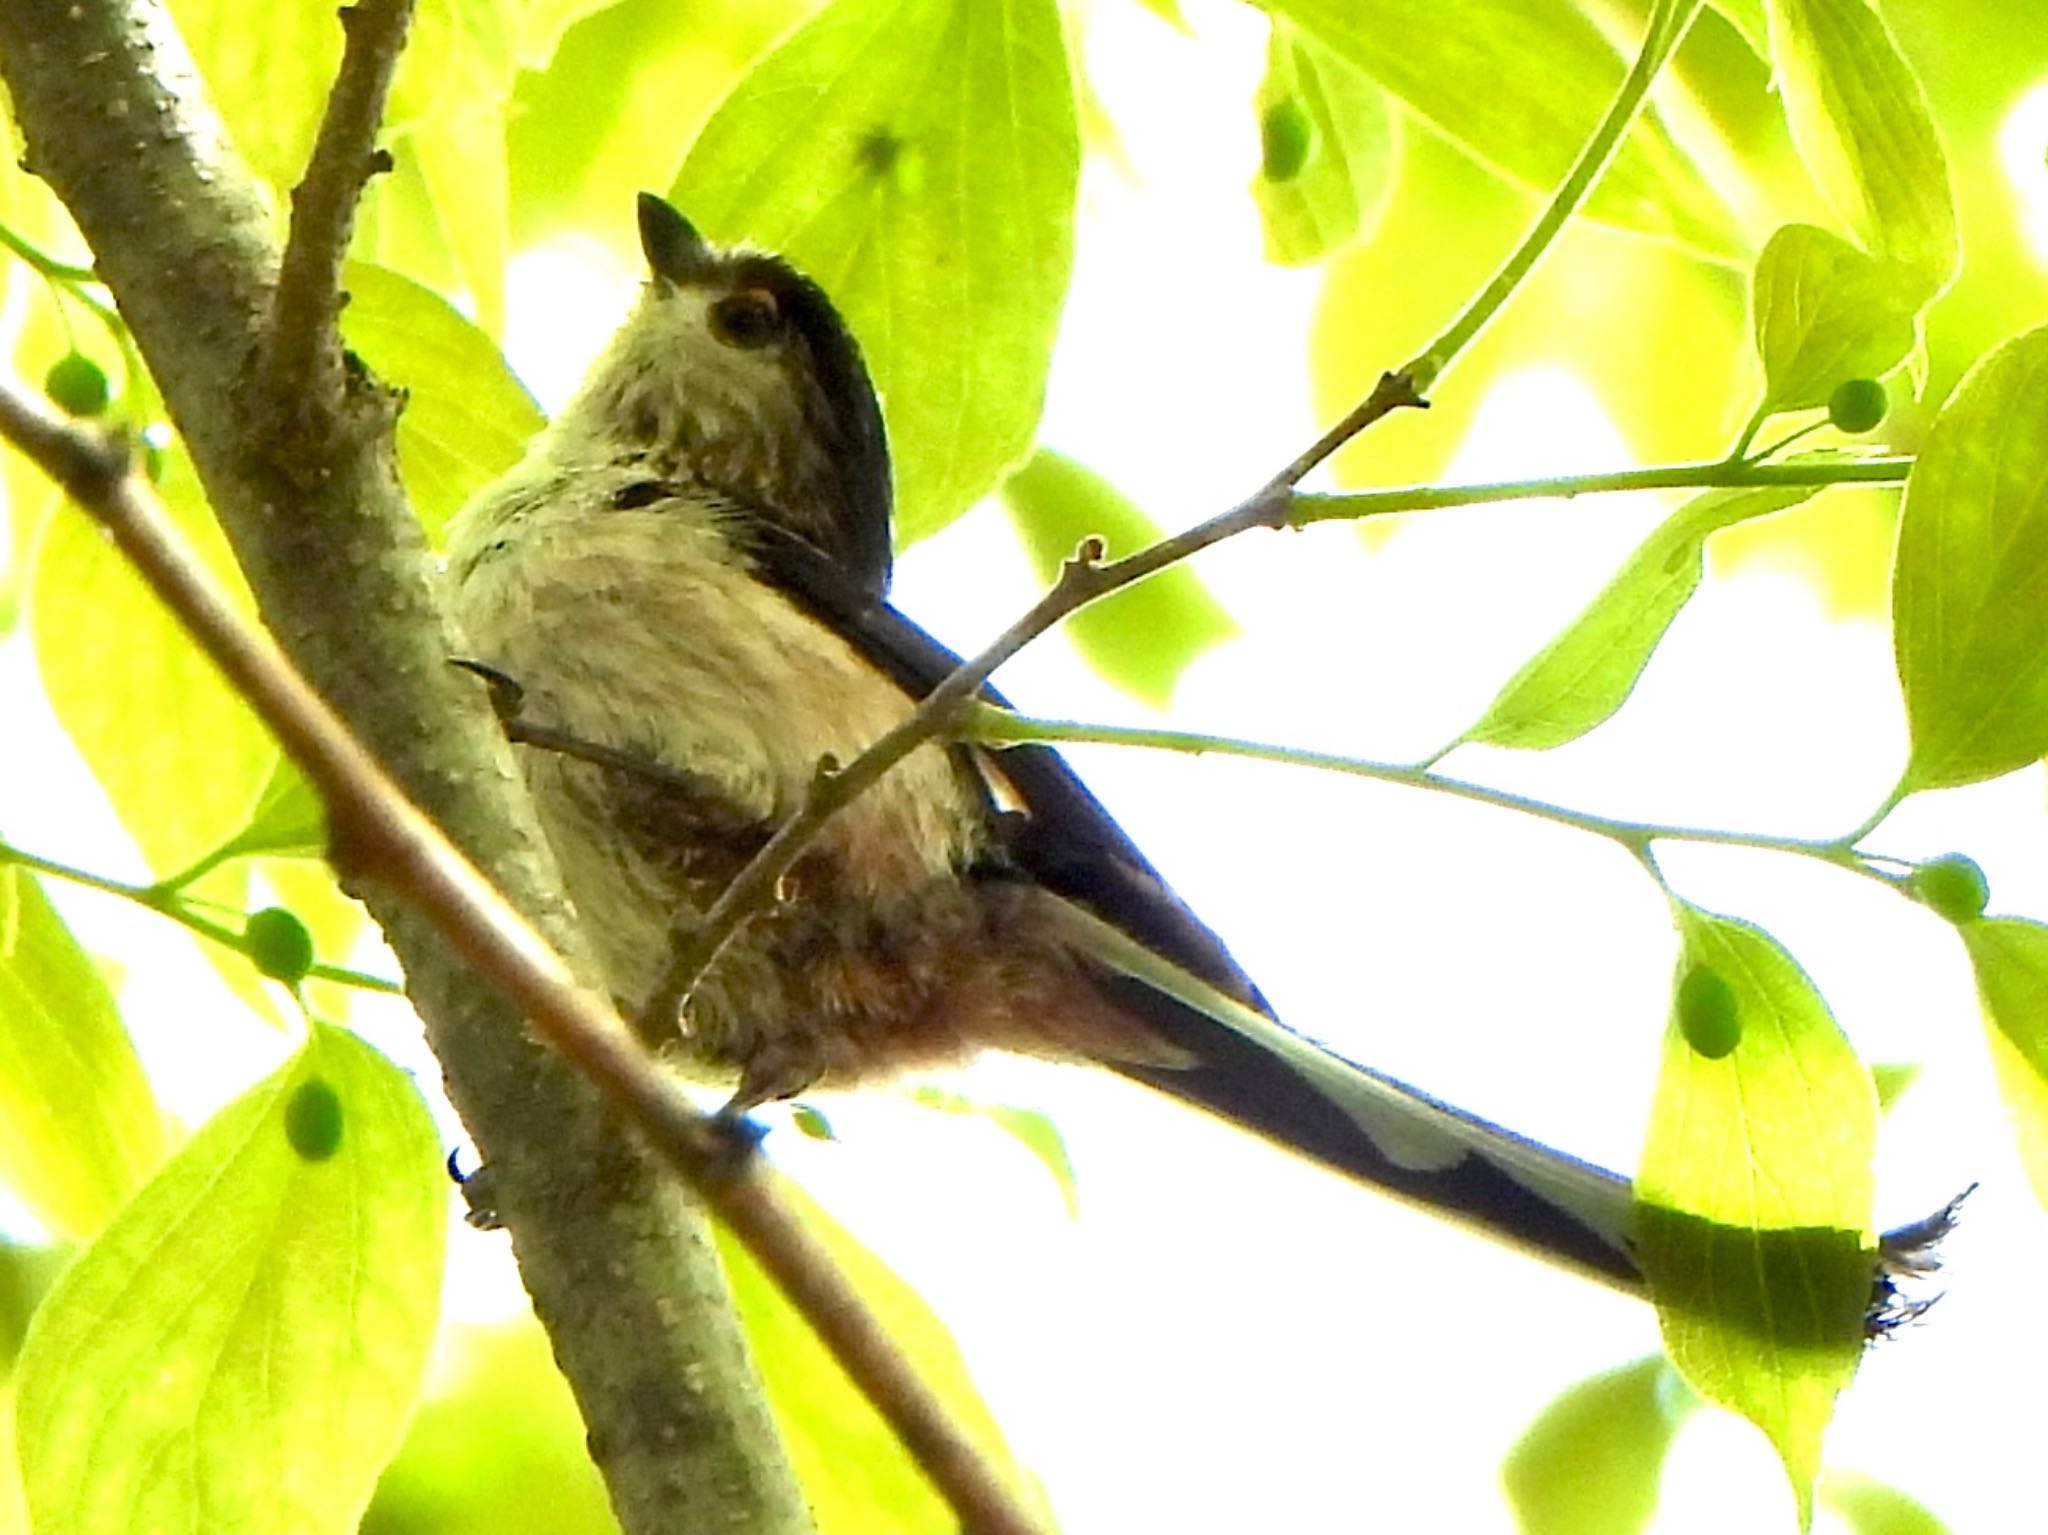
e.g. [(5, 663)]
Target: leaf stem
[(1667, 25), (165, 902), (44, 262), (1309, 508), (991, 726)]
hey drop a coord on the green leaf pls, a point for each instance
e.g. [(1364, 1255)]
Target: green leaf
[(277, 1307), (1330, 143), (498, 1447), (850, 1463), (1520, 88), (1970, 578), (1753, 1202), (466, 418), (269, 81), (1143, 637), (1030, 1128), (1750, 23), (2009, 957), (468, 183), (1861, 122), (79, 1127), (290, 819), (1591, 1462), (1586, 673), (180, 755), (1872, 1508), (1825, 313), (919, 160)]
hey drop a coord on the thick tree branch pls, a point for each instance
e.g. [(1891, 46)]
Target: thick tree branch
[(303, 336), (615, 1254)]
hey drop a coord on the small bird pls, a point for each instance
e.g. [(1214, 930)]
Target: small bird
[(689, 570)]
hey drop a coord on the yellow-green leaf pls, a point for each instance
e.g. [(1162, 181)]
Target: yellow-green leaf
[(1970, 578), (466, 418), (850, 1463), (1032, 1129), (1754, 1197), (269, 81), (1586, 673), (1591, 1461), (1144, 636), (1520, 87), (1860, 119), (1871, 1508), (1328, 142), (2010, 959), (180, 755), (1825, 313), (1750, 23), (241, 1347), (918, 159), (79, 1127)]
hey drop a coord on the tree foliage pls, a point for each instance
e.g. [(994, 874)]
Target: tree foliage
[(1774, 236)]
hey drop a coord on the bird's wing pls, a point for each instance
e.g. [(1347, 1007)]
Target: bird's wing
[(1155, 955)]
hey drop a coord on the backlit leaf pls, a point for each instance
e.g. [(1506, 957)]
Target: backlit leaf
[(1754, 1197), (849, 1462), (1970, 578), (1825, 313), (1586, 673), (1520, 87), (918, 159), (1591, 1461), (1860, 119), (79, 1126), (1329, 145), (180, 755), (2010, 960), (466, 418), (241, 1347), (1140, 638)]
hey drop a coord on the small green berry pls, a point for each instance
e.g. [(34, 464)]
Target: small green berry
[(812, 1122), (77, 384), (1284, 136), (1708, 1015), (1952, 887), (1857, 405), (278, 945), (313, 1120)]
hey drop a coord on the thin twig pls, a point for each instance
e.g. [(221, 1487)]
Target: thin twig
[(168, 904), (1718, 474), (1000, 727), (303, 339), (374, 822)]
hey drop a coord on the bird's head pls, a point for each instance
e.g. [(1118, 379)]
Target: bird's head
[(735, 374)]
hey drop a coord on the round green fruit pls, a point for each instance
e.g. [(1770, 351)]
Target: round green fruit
[(1952, 886), (313, 1120), (278, 945), (77, 384), (1708, 1015), (1857, 405), (1284, 136)]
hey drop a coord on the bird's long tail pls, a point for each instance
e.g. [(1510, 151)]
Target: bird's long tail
[(1243, 1066), (1240, 1064)]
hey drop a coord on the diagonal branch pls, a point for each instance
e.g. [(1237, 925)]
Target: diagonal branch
[(303, 339), (375, 825)]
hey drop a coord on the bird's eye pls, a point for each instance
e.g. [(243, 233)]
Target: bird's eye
[(747, 319)]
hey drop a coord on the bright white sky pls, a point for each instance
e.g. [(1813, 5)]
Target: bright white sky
[(1228, 1339)]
